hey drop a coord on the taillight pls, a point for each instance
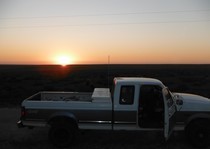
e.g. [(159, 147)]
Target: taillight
[(23, 111)]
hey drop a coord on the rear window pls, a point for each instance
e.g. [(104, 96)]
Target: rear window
[(127, 95)]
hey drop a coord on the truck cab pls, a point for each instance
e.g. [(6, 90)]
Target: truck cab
[(143, 104)]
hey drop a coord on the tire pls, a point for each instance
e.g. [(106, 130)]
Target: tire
[(62, 134), (198, 133)]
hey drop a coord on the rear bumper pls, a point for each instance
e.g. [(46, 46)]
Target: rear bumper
[(20, 124)]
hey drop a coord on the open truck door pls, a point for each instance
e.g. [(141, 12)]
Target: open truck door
[(169, 114)]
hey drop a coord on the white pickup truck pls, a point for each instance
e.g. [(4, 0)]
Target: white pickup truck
[(133, 104)]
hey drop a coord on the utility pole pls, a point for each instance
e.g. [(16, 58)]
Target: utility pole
[(108, 69)]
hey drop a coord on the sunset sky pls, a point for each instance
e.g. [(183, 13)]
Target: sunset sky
[(88, 31)]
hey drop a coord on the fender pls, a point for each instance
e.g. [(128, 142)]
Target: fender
[(63, 114), (197, 116)]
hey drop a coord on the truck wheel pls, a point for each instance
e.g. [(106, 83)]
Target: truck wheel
[(198, 133), (62, 135)]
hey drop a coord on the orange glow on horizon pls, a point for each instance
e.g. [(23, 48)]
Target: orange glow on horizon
[(145, 54)]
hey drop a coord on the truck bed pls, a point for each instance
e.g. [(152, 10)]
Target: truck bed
[(99, 95), (61, 96)]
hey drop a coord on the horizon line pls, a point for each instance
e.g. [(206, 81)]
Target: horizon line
[(107, 64)]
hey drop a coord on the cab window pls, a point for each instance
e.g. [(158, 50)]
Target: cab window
[(127, 95)]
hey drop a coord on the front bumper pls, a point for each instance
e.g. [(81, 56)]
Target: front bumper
[(20, 124)]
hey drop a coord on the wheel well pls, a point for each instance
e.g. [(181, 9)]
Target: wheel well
[(63, 119), (199, 121), (197, 132)]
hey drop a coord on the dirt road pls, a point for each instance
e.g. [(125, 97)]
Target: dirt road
[(12, 137)]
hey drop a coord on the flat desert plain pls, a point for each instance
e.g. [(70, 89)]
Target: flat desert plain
[(18, 82)]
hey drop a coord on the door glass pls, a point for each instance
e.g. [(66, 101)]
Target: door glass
[(151, 107), (170, 110)]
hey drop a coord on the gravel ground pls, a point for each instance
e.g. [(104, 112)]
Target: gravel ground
[(14, 138)]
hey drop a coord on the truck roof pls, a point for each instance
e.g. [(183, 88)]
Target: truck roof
[(140, 80)]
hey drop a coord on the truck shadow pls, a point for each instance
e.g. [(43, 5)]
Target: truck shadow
[(38, 139), (129, 140)]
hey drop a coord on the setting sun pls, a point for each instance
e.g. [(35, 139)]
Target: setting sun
[(63, 60)]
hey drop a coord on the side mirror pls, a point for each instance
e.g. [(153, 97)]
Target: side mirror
[(179, 102)]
